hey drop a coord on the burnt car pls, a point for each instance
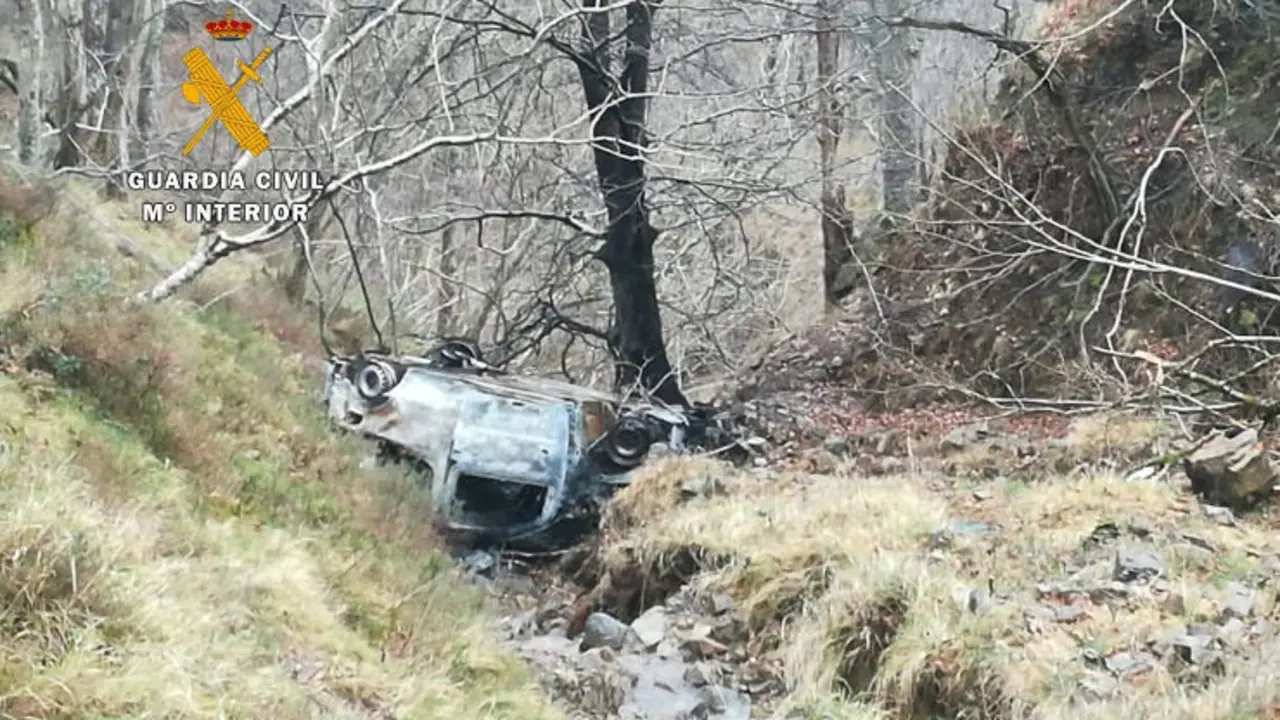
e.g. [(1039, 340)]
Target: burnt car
[(507, 459)]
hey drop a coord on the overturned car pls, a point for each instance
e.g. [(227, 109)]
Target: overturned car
[(508, 460)]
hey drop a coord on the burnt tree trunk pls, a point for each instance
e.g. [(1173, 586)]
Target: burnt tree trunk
[(618, 107), (837, 223)]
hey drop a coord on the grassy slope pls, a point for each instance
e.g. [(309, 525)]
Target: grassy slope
[(181, 536), (844, 586)]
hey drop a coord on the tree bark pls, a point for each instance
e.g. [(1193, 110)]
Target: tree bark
[(30, 31), (618, 134), (837, 223), (900, 152), (73, 99), (154, 13), (119, 22)]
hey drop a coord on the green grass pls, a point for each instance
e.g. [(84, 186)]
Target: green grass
[(183, 537)]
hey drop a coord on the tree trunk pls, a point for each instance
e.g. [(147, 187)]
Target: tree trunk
[(445, 290), (115, 65), (837, 223), (295, 285), (73, 99), (154, 12), (617, 134), (30, 31), (901, 160)]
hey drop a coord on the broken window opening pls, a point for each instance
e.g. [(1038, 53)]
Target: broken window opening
[(487, 502)]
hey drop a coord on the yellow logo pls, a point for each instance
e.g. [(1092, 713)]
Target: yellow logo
[(207, 83)]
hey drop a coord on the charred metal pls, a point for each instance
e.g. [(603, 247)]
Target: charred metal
[(507, 459)]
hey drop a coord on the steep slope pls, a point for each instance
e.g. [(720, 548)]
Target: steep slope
[(180, 535)]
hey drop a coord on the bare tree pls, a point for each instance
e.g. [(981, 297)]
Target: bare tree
[(618, 138), (837, 221), (29, 71)]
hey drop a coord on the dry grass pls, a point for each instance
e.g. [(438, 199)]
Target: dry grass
[(845, 581), (183, 536)]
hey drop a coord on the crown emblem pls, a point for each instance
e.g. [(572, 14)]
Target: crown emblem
[(229, 30)]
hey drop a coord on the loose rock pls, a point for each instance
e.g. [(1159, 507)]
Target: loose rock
[(651, 627), (604, 630), (1138, 566)]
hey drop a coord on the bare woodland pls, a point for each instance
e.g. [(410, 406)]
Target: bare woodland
[(667, 183)]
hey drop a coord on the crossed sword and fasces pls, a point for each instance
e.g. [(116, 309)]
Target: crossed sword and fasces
[(207, 82)]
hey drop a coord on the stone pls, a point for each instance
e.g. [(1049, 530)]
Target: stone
[(1127, 664), (966, 435), (1220, 515), (1239, 602), (1138, 566), (1096, 686), (480, 562), (1232, 630), (721, 603), (728, 630), (651, 627), (702, 648), (700, 675), (1174, 603), (603, 630), (836, 445), (1229, 467), (1192, 648)]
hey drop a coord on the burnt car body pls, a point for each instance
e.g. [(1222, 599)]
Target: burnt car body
[(507, 459)]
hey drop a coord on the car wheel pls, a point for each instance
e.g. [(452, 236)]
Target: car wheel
[(458, 353)]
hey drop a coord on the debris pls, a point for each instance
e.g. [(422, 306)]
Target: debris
[(1229, 467)]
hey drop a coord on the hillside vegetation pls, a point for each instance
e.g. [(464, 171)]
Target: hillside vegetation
[(181, 535)]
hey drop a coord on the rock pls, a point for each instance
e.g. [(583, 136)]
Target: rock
[(603, 630), (1232, 630), (1229, 467), (970, 599), (1068, 613), (1114, 591), (1095, 686), (700, 675), (722, 702), (1192, 649), (825, 463), (1174, 603), (1202, 630), (1220, 515), (728, 630), (651, 627), (702, 486), (1127, 664), (701, 647), (1138, 566), (721, 603), (1239, 602), (480, 562), (836, 445), (966, 435)]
